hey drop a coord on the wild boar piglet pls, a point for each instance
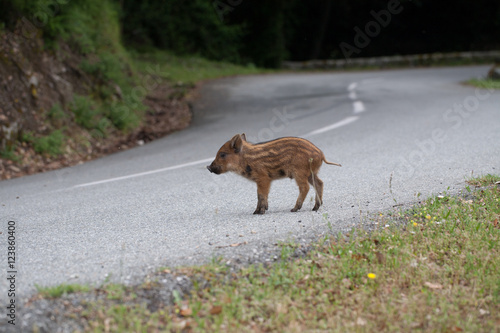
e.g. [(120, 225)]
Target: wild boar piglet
[(291, 157)]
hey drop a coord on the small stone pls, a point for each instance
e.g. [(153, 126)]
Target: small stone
[(14, 168), (483, 312), (33, 81)]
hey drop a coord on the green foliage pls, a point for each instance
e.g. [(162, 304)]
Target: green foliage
[(109, 69), (267, 29), (9, 153), (122, 116), (184, 27), (91, 25), (85, 111), (56, 112), (99, 117), (89, 115), (57, 116), (263, 32), (50, 144)]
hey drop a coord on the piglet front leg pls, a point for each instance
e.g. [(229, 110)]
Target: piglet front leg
[(263, 187)]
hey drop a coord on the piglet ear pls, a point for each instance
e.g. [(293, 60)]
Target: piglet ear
[(243, 137), (236, 143)]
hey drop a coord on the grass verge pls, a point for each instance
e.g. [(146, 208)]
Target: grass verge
[(188, 69), (431, 268), (50, 144), (60, 290), (485, 83)]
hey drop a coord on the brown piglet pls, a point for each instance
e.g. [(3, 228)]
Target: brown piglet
[(264, 162)]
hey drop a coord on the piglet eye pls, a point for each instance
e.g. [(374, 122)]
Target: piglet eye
[(222, 155)]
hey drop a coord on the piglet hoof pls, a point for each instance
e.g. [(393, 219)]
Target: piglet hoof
[(294, 210), (260, 211), (315, 208)]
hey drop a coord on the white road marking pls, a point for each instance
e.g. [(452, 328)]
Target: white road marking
[(358, 106), (352, 86), (144, 173), (343, 122)]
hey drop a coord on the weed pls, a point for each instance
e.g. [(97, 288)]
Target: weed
[(115, 291), (89, 115), (60, 290), (9, 153), (122, 116), (56, 112), (85, 111), (488, 179), (50, 144)]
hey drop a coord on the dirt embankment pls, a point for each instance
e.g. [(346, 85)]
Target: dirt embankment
[(33, 80)]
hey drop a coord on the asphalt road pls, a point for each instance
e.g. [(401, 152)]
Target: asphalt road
[(397, 133)]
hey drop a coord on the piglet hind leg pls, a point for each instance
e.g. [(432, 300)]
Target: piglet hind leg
[(303, 190), (318, 187)]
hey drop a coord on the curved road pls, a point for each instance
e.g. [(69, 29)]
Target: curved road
[(397, 133)]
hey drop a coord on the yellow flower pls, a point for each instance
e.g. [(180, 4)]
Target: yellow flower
[(428, 217), (371, 276), (415, 224)]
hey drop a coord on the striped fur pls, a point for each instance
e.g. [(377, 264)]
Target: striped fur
[(291, 157)]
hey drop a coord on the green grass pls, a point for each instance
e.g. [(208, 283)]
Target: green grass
[(485, 83), (86, 112), (484, 180), (432, 268), (56, 113), (436, 270), (50, 144), (9, 153), (60, 290), (187, 69), (115, 291), (90, 115)]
